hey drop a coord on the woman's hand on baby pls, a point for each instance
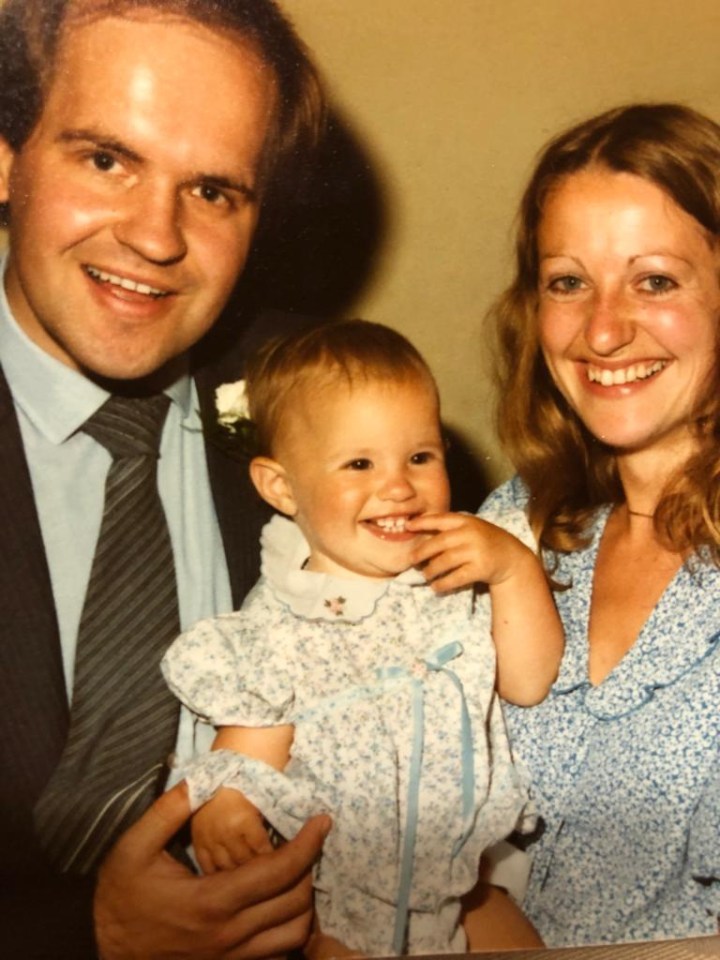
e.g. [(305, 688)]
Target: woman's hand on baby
[(227, 831), (462, 550)]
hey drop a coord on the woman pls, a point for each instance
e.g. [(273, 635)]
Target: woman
[(611, 414)]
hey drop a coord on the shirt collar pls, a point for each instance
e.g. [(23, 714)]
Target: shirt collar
[(56, 399), (319, 596), (681, 631)]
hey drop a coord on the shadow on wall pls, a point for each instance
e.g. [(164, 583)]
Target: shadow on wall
[(468, 482), (320, 238), (317, 247)]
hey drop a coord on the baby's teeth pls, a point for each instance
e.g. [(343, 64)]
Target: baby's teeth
[(392, 524)]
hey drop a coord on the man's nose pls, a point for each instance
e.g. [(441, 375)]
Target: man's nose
[(151, 224), (610, 323)]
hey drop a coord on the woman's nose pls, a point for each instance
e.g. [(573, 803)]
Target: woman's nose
[(609, 325)]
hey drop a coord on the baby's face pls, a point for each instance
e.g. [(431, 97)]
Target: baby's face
[(361, 460)]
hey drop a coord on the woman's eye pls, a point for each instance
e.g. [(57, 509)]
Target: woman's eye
[(360, 464), (565, 284), (658, 283)]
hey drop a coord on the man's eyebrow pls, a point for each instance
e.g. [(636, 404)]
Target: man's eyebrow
[(100, 142)]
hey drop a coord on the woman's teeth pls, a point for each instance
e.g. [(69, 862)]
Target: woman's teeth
[(637, 371)]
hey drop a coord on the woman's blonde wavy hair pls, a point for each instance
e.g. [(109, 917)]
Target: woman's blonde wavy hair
[(567, 471)]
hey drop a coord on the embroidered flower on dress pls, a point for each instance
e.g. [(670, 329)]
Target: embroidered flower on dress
[(419, 669), (336, 606)]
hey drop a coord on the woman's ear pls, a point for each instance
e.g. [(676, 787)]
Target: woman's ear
[(272, 483)]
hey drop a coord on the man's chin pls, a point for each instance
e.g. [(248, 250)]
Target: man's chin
[(139, 375)]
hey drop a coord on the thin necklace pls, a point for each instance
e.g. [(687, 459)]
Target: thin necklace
[(636, 513)]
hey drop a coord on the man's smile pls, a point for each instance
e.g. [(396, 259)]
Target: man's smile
[(124, 283)]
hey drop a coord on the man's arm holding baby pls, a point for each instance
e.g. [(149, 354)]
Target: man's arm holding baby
[(228, 829), (463, 550)]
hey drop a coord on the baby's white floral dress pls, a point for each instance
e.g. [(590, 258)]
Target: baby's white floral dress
[(398, 735)]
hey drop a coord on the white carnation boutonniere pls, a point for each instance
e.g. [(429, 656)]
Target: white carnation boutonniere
[(231, 403), (233, 430)]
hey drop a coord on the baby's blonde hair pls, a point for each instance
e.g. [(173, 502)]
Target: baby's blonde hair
[(291, 369)]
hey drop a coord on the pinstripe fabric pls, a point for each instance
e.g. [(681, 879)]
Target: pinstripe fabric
[(123, 719)]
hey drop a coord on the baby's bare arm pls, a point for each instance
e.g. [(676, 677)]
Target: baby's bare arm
[(463, 550), (228, 829)]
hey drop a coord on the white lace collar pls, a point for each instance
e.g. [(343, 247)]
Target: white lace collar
[(318, 596)]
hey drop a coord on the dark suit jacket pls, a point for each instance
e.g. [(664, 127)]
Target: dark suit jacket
[(43, 915)]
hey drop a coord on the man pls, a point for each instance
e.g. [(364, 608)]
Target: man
[(137, 141)]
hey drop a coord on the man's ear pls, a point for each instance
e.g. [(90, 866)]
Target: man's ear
[(7, 157), (272, 483)]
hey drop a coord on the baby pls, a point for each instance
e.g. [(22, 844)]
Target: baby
[(347, 683)]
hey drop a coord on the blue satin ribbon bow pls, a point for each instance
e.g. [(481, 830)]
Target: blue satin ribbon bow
[(433, 663)]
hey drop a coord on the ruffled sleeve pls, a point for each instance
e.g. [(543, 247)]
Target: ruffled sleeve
[(285, 802), (229, 674), (506, 507)]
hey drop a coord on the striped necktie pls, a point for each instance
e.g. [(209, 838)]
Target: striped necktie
[(123, 721)]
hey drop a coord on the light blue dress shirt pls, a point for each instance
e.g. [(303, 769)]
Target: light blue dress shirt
[(68, 470)]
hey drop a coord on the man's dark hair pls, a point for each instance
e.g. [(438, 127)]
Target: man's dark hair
[(31, 31)]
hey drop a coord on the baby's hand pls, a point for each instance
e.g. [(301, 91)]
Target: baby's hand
[(227, 831), (462, 550)]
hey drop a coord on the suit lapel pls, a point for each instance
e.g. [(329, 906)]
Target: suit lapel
[(34, 718)]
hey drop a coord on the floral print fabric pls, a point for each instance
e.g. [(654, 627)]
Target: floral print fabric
[(341, 660), (625, 774)]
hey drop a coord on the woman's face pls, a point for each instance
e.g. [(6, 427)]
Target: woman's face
[(629, 302)]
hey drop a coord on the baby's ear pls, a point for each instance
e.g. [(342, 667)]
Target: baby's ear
[(272, 483)]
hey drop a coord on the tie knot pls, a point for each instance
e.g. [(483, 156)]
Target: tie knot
[(129, 426)]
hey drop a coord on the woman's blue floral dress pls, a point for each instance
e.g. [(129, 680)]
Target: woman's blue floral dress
[(626, 774), (398, 734)]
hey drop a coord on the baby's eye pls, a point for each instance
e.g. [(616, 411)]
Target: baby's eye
[(424, 456), (362, 463), (658, 283)]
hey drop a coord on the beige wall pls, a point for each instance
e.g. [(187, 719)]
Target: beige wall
[(451, 99)]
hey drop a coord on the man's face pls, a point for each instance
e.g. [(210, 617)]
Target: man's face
[(133, 202)]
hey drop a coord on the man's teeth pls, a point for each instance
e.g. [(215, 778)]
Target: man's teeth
[(392, 524), (125, 283), (637, 371)]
